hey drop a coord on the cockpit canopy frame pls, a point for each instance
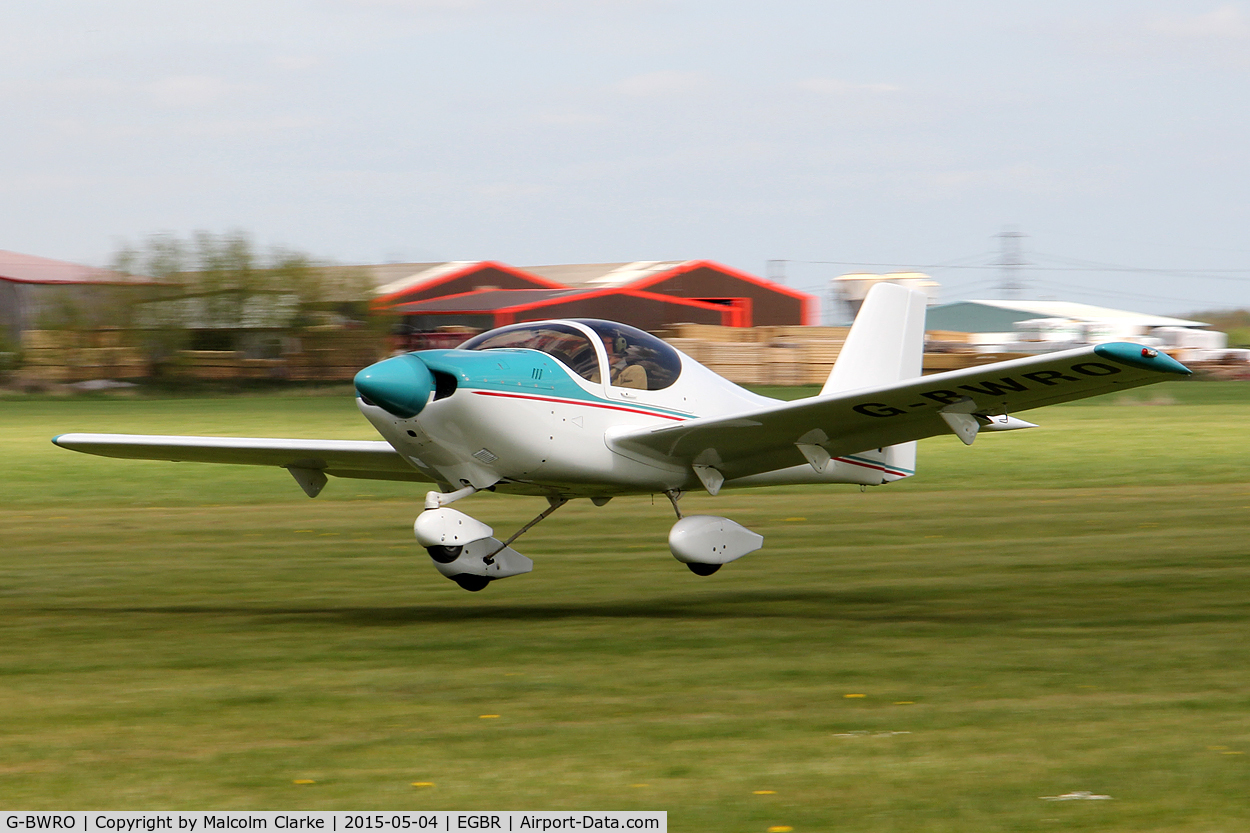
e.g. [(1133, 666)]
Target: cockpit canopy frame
[(634, 358)]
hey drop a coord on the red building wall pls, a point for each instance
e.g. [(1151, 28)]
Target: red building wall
[(769, 304), (635, 309)]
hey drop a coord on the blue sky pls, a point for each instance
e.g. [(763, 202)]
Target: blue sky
[(547, 131)]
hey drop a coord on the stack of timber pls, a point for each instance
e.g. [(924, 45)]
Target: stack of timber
[(47, 356), (821, 356), (206, 364), (804, 355), (712, 333), (333, 355), (941, 362), (62, 356), (782, 355), (320, 366), (692, 347), (262, 369), (111, 363), (738, 362), (784, 365), (939, 338)]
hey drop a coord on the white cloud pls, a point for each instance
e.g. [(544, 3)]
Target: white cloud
[(77, 128), (956, 183), (836, 86), (512, 190), (508, 6), (171, 91), (265, 126), (1228, 22), (1219, 37), (295, 63), (72, 88), (421, 5), (569, 118), (191, 90), (663, 83)]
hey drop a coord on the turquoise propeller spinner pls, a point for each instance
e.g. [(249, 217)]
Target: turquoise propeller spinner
[(400, 385)]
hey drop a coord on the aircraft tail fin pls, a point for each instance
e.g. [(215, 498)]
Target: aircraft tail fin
[(886, 344)]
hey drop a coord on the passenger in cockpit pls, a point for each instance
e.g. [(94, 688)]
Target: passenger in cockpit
[(623, 363)]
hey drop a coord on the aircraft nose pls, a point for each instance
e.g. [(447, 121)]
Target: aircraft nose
[(400, 385)]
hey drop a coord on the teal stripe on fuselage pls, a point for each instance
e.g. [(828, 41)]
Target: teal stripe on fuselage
[(520, 370)]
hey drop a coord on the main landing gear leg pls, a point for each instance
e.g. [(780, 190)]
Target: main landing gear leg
[(698, 568), (463, 548), (554, 503), (704, 543), (437, 500), (444, 553)]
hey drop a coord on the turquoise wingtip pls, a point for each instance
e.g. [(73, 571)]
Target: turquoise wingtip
[(1146, 358)]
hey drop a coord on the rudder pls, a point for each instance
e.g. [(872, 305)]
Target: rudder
[(886, 344)]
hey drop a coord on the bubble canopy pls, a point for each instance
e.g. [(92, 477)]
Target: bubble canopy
[(636, 359)]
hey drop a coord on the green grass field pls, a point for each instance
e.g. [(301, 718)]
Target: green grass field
[(1050, 611)]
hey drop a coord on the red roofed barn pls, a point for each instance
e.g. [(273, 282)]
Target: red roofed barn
[(650, 295), (35, 288)]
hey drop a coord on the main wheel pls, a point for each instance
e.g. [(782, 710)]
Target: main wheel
[(471, 582), (444, 555), (703, 569)]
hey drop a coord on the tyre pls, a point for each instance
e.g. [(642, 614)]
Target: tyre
[(444, 555), (703, 569), (471, 582)]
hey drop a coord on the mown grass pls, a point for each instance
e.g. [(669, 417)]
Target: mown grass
[(1049, 611)]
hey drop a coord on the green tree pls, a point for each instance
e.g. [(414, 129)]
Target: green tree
[(221, 283)]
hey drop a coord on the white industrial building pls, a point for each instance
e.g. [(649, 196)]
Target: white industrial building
[(1043, 326)]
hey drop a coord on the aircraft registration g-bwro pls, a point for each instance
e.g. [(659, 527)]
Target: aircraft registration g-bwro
[(591, 409)]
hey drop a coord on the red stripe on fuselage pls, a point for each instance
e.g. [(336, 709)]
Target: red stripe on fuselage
[(662, 416), (578, 402), (871, 466)]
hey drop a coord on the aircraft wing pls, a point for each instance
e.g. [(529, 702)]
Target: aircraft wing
[(374, 460), (847, 422)]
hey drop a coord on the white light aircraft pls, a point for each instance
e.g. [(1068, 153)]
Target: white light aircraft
[(591, 409)]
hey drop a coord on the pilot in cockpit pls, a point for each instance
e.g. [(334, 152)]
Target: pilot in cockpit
[(623, 363)]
